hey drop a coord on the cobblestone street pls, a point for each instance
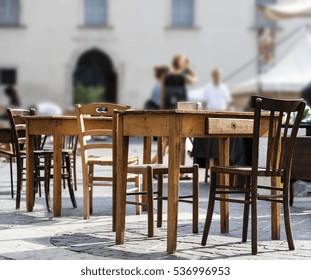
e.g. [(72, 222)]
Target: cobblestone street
[(38, 235)]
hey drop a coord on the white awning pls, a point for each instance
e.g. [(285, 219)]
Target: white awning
[(290, 9), (290, 74)]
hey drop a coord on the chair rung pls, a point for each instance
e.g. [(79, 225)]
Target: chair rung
[(186, 196), (232, 200), (232, 192), (271, 200), (271, 196), (231, 187), (102, 179), (136, 193), (270, 188), (136, 203), (99, 185), (185, 201), (160, 197), (180, 199)]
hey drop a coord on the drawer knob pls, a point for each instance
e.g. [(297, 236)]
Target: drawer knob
[(233, 125)]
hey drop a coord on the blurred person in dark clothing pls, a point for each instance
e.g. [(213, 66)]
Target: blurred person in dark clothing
[(173, 91), (306, 94), (12, 94), (154, 102), (174, 84), (13, 100)]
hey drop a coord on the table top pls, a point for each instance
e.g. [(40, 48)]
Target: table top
[(41, 117), (193, 112), (191, 123), (62, 117)]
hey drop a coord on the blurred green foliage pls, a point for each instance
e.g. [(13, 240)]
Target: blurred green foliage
[(84, 95)]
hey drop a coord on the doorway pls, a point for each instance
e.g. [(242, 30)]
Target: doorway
[(94, 79)]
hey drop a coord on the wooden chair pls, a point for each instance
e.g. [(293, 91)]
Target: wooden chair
[(157, 170), (43, 158), (70, 145), (7, 151), (101, 152), (278, 163)]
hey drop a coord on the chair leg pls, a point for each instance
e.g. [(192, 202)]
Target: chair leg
[(246, 210), (254, 215), (150, 201), (47, 177), (39, 181), (74, 165), (210, 209), (73, 160), (69, 182), (137, 196), (86, 194), (114, 202), (287, 223), (207, 166), (37, 175), (11, 174), (64, 170), (90, 188), (291, 193), (195, 199), (160, 201), (19, 171), (145, 186)]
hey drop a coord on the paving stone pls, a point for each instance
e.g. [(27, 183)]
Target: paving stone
[(38, 235)]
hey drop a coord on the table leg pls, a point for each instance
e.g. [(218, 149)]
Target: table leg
[(276, 207), (57, 172), (30, 171), (275, 212), (183, 151), (224, 158), (146, 159), (173, 184), (122, 153)]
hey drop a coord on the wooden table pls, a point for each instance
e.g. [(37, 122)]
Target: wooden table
[(178, 124), (57, 126)]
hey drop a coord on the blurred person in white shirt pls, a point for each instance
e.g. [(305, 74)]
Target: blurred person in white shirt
[(216, 94), (48, 109), (216, 97)]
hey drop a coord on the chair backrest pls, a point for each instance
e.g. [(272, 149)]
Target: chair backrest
[(18, 128), (101, 111), (282, 132)]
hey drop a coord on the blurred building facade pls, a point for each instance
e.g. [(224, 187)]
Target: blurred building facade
[(54, 49)]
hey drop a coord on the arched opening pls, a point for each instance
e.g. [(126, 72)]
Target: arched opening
[(94, 78)]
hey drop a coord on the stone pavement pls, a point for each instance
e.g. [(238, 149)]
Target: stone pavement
[(38, 235)]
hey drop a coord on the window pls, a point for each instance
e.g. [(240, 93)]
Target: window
[(182, 13), (9, 12), (7, 76), (95, 12)]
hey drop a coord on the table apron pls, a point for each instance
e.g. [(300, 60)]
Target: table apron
[(64, 127), (189, 126)]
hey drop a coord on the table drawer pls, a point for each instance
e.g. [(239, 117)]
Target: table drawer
[(220, 126)]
